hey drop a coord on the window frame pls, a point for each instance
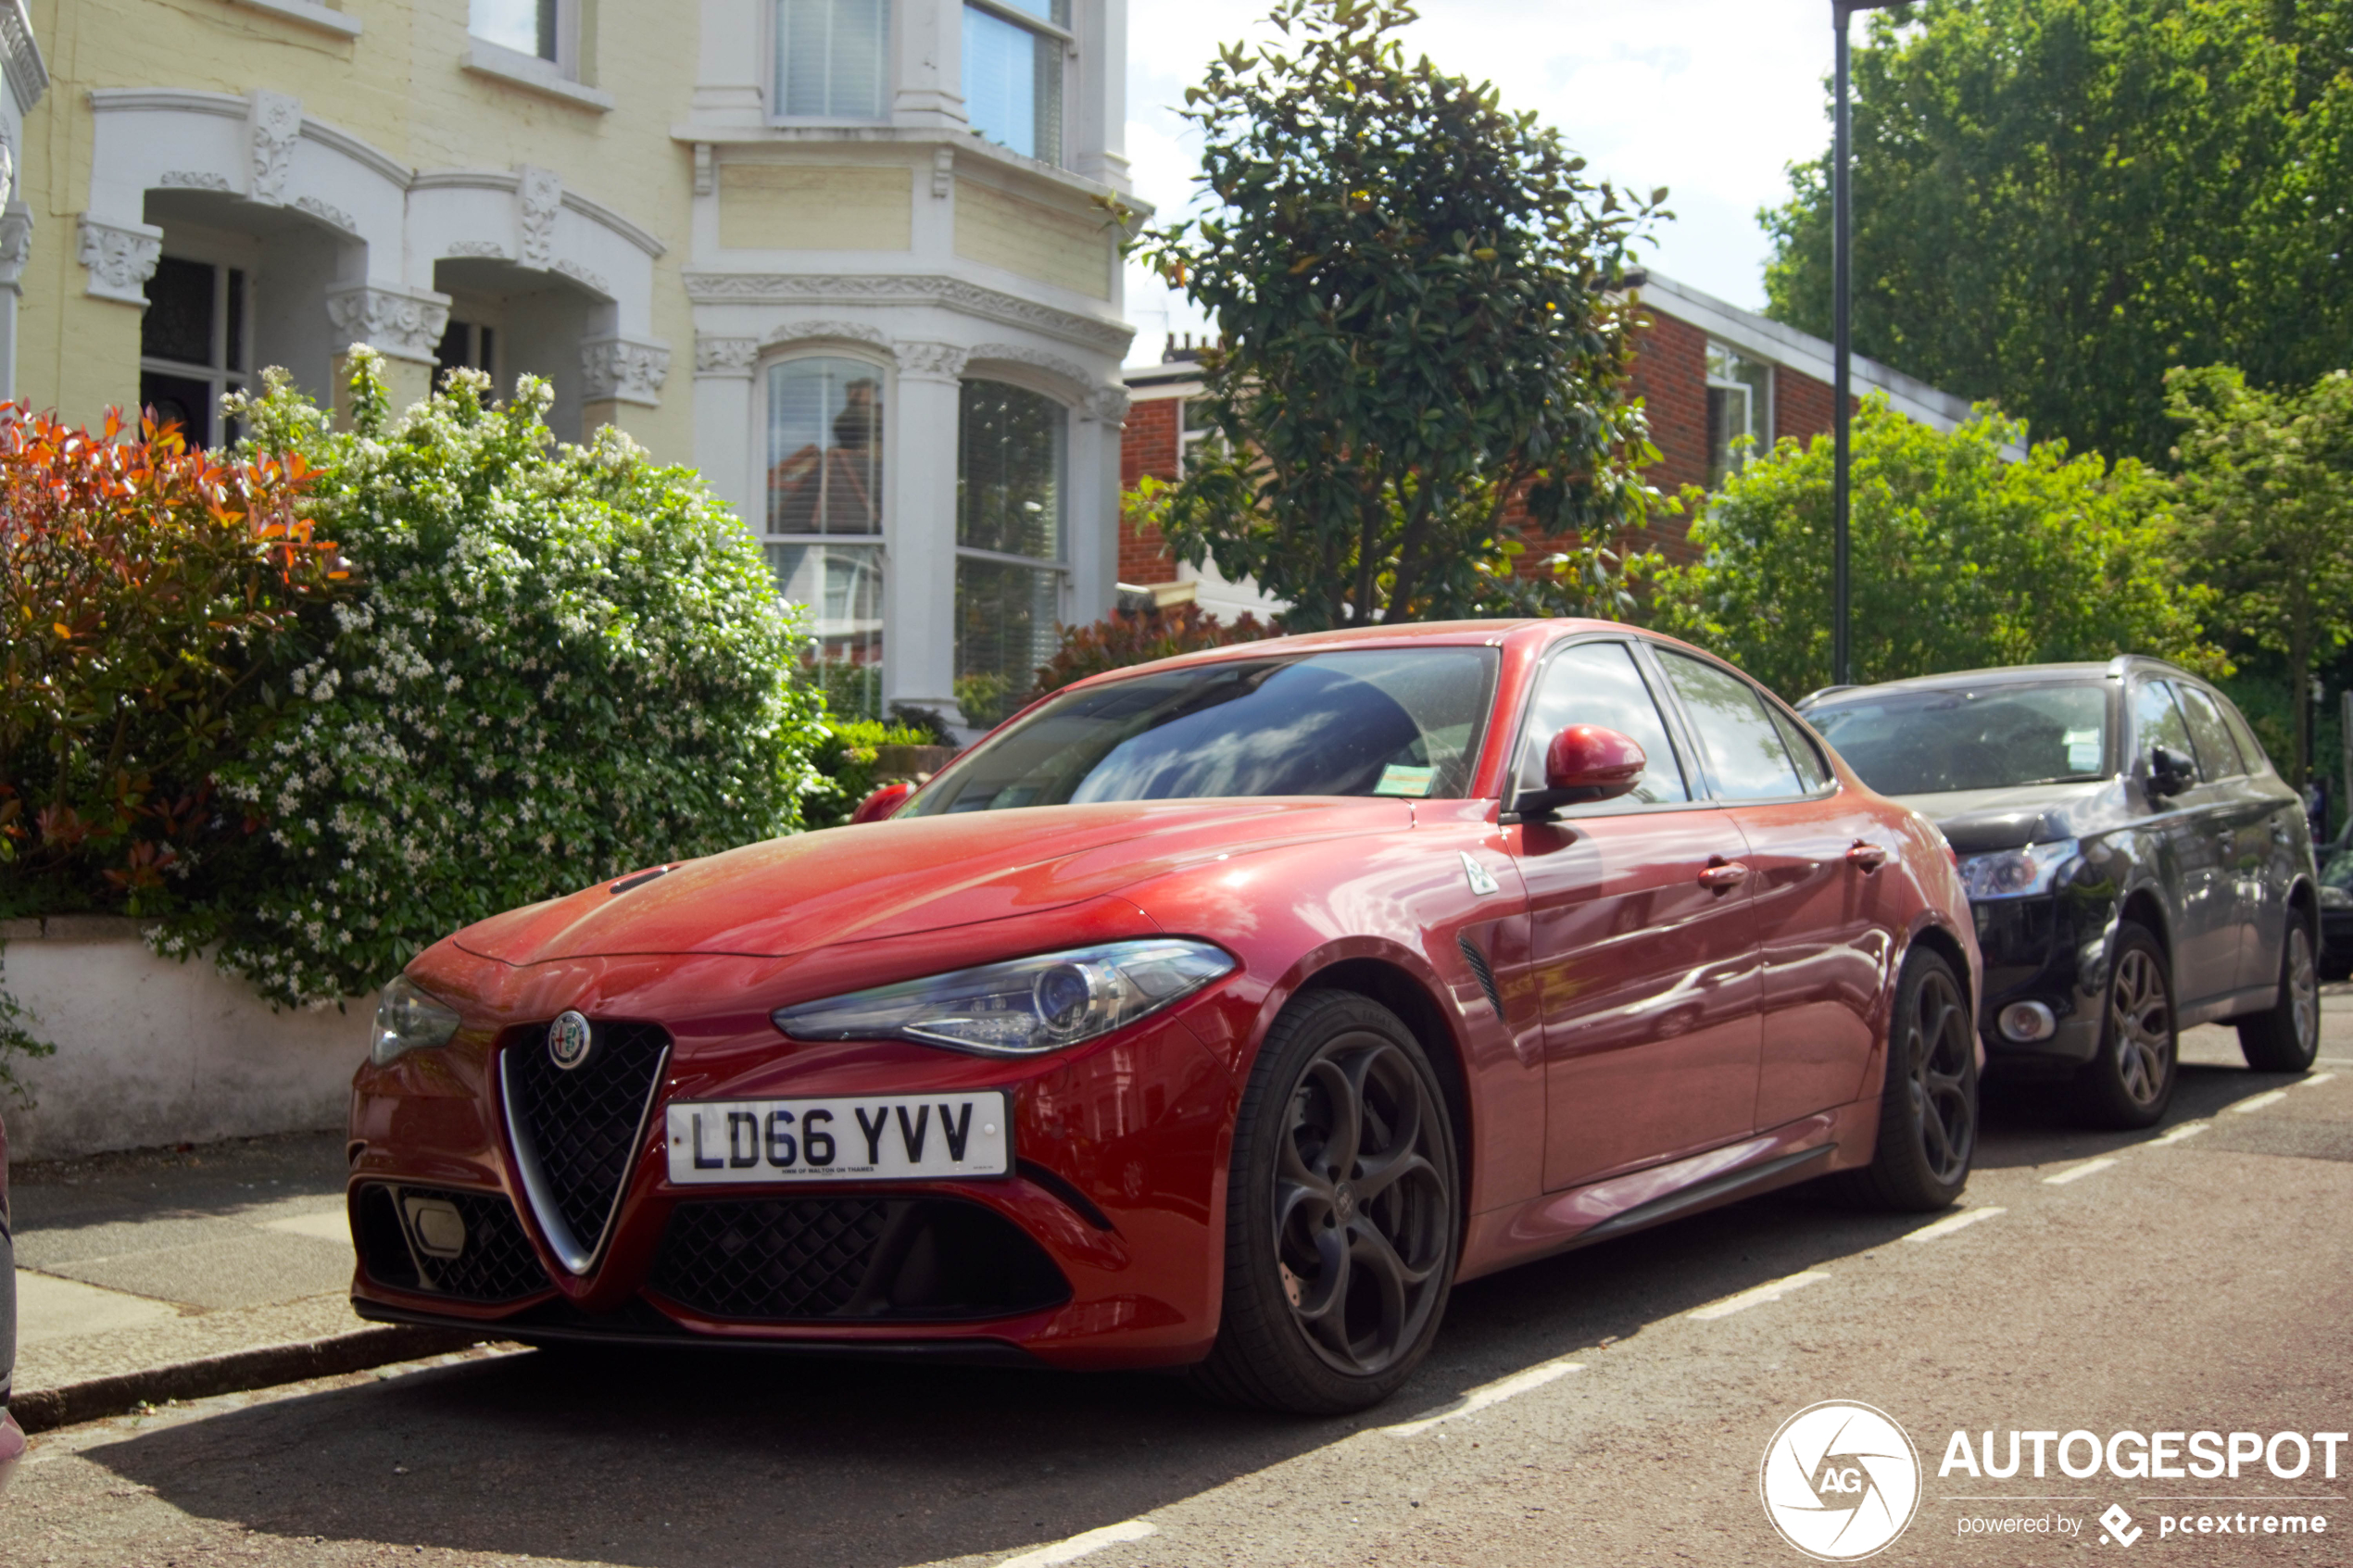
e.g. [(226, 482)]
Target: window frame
[(771, 89), (879, 541), (1058, 157), (1695, 781), (2236, 769), (2139, 750), (566, 60), (217, 376), (1760, 429), (1771, 702)]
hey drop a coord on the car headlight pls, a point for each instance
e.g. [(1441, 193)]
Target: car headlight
[(409, 1019), (2015, 873), (2336, 897), (1020, 1008)]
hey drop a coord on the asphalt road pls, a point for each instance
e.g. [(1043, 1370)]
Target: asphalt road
[(1612, 1406)]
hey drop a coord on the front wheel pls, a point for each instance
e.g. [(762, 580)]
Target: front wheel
[(1342, 1231), (1928, 1109), (2130, 1083), (2286, 1039)]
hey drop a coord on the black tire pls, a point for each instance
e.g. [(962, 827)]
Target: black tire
[(2131, 1082), (1928, 1107), (1308, 1328), (2286, 1039)]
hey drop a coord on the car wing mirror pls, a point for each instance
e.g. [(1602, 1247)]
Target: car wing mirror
[(1584, 763), (883, 802), (2169, 775)]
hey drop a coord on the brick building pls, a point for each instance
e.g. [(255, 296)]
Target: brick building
[(1709, 373)]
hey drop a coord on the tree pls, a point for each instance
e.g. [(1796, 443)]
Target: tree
[(1417, 292), (1963, 559), (2263, 485), (2058, 200)]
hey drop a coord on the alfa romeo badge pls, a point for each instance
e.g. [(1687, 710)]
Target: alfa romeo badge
[(569, 1038)]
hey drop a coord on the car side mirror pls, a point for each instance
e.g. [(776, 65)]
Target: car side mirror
[(883, 802), (2169, 775), (1584, 763)]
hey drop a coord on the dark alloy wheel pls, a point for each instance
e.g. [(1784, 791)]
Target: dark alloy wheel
[(1928, 1109), (2130, 1083), (2286, 1038), (1343, 1215)]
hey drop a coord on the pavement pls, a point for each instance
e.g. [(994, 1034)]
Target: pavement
[(184, 1273), (1609, 1406)]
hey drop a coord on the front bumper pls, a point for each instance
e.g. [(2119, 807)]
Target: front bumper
[(1102, 1247), (2034, 949)]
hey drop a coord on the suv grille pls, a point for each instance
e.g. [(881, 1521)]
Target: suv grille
[(773, 1260), (575, 1131), (496, 1264)]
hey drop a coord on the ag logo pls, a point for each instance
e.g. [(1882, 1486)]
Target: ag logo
[(569, 1038), (1840, 1480)]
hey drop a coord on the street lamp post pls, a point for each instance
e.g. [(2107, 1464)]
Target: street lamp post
[(1841, 286)]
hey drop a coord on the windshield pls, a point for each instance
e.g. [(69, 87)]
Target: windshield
[(2002, 738), (1402, 721)]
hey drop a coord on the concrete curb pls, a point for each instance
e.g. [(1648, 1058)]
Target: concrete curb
[(42, 1409)]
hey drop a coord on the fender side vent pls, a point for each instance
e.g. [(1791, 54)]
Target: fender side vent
[(1478, 961)]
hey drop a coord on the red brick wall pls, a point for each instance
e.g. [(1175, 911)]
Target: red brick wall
[(1148, 445), (1802, 406)]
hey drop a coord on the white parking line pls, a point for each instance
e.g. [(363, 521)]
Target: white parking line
[(1952, 1222), (2315, 1078), (1487, 1394), (2260, 1101), (1077, 1546), (1772, 1290), (2186, 1130), (2077, 1173)]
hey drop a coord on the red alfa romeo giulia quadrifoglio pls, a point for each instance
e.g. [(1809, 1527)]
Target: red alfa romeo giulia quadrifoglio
[(1223, 1011)]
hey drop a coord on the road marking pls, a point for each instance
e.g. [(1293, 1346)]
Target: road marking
[(2186, 1130), (2315, 1078), (2077, 1173), (1772, 1290), (2260, 1101), (1487, 1394), (1952, 1222), (1077, 1546)]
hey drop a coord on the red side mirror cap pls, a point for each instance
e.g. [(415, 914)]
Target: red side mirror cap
[(1585, 762), (883, 802)]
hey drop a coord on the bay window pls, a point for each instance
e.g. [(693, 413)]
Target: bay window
[(1010, 456), (833, 59), (1013, 53), (825, 523)]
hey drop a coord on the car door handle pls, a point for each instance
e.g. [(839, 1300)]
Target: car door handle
[(1866, 858), (1722, 876)]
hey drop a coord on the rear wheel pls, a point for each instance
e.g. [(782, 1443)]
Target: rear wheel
[(2130, 1083), (1341, 1230), (2286, 1039), (1928, 1109)]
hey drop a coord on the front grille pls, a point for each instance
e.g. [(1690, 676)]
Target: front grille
[(787, 1259), (581, 1127), (496, 1264)]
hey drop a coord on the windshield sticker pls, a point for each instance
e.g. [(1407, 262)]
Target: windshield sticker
[(1397, 778), (2082, 750)]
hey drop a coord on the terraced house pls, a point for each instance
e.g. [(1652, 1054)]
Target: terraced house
[(856, 259)]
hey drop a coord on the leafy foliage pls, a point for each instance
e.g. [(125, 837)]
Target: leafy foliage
[(1414, 289), (1140, 637), (2057, 200), (846, 761), (565, 662), (156, 597), (1961, 560), (2263, 479)]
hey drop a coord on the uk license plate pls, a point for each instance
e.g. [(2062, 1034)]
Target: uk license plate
[(866, 1137)]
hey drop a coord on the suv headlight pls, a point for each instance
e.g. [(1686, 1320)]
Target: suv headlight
[(2016, 873), (1019, 1007), (409, 1019)]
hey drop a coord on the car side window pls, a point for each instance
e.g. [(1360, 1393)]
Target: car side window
[(2218, 755), (1598, 683), (1747, 760), (2251, 750), (1811, 770), (2157, 720)]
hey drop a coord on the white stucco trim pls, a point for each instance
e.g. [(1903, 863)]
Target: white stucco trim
[(20, 62), (308, 14), (1100, 335)]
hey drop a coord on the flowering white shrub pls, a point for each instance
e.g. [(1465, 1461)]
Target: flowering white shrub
[(563, 663)]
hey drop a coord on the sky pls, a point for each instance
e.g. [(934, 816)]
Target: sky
[(1711, 98)]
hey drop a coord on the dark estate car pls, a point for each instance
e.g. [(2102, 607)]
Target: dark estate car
[(2337, 913), (2133, 863)]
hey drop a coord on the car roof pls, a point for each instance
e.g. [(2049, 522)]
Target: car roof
[(2010, 676), (1415, 634)]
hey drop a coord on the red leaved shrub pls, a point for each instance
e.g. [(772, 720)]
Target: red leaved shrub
[(1139, 638)]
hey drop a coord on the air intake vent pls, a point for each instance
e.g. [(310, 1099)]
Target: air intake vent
[(1478, 961), (487, 1260), (578, 1129)]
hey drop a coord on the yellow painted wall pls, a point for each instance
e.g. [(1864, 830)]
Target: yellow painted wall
[(1052, 244), (399, 86), (806, 206)]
